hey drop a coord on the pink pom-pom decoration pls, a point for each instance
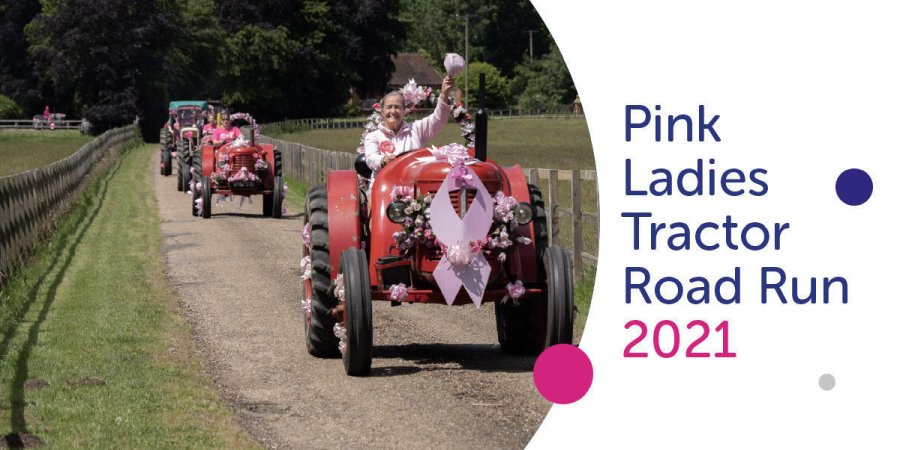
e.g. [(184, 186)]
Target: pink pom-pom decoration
[(398, 292), (454, 64)]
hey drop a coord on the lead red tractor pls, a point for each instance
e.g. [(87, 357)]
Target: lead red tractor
[(238, 168), (354, 259)]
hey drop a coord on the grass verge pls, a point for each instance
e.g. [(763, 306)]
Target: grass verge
[(93, 352), (584, 291), (27, 149)]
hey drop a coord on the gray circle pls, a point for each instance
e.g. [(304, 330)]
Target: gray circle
[(826, 382)]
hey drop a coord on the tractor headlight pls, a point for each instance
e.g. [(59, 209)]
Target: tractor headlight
[(523, 213), (396, 212)]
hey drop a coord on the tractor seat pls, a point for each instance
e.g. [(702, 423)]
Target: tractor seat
[(361, 167)]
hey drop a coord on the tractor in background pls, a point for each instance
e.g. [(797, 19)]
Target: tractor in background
[(179, 139), (239, 168)]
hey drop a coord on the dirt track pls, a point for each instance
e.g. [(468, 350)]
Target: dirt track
[(438, 379)]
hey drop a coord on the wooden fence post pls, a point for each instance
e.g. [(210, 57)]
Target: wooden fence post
[(577, 244), (552, 205)]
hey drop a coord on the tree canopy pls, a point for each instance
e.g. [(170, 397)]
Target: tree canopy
[(112, 60)]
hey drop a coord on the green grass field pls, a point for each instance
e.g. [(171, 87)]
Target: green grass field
[(93, 351), (27, 149), (547, 143)]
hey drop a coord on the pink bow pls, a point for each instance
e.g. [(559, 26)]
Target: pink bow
[(459, 267)]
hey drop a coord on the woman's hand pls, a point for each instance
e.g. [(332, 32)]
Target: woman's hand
[(446, 87), (387, 158)]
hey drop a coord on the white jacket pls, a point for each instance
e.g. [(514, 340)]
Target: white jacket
[(411, 136)]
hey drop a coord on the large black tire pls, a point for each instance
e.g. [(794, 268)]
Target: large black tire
[(181, 179), (519, 324), (357, 290), (539, 221), (278, 197), (166, 168), (206, 191), (560, 311), (196, 175), (320, 338)]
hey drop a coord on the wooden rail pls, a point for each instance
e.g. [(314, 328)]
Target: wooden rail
[(309, 164), (31, 202), (336, 123), (31, 124)]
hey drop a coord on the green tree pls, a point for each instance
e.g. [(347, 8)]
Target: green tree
[(9, 109), (544, 82), (256, 60), (496, 86), (17, 76)]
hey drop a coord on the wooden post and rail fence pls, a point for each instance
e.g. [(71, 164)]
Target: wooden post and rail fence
[(31, 202), (309, 165)]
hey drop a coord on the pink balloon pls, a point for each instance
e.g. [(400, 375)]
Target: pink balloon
[(454, 64)]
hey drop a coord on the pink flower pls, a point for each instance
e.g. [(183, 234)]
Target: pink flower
[(305, 234), (376, 106), (515, 290), (503, 207), (459, 255), (386, 147), (398, 292), (399, 192)]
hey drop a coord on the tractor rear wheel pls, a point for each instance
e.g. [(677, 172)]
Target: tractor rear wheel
[(559, 316), (358, 312), (320, 338), (206, 192)]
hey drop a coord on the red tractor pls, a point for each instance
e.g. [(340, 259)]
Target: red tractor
[(391, 254), (238, 168)]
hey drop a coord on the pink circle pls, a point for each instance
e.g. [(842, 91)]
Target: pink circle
[(563, 374)]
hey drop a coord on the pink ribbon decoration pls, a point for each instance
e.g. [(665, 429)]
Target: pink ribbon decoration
[(454, 64), (459, 267)]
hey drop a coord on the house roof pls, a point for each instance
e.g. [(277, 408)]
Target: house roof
[(413, 65)]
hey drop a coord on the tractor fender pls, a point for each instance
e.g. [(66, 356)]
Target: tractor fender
[(523, 261), (344, 224), (271, 155)]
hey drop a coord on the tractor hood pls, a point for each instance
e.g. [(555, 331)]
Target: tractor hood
[(422, 171)]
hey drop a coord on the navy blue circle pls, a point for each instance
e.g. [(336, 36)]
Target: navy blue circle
[(854, 187)]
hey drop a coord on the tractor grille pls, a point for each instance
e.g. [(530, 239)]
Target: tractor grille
[(455, 197), (238, 161)]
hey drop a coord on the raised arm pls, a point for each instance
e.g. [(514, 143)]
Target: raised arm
[(429, 127)]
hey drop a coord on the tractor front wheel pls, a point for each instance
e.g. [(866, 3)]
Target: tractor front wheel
[(358, 312), (206, 192), (278, 197), (165, 168), (319, 323), (196, 175), (518, 326), (560, 306)]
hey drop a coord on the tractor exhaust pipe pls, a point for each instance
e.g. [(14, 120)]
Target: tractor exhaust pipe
[(481, 123)]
